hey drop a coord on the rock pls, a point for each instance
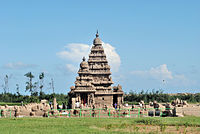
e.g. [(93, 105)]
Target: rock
[(185, 103), (46, 108), (34, 108), (155, 102), (54, 104), (45, 114), (179, 115), (16, 114), (150, 103), (39, 113), (2, 113), (178, 101), (15, 107), (32, 113), (6, 106), (44, 101)]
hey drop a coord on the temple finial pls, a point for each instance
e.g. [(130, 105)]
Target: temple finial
[(97, 34)]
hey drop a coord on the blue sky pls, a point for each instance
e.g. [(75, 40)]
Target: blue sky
[(147, 42)]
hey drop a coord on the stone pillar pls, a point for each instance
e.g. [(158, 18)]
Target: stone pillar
[(54, 104), (78, 97), (93, 102), (73, 102), (88, 99)]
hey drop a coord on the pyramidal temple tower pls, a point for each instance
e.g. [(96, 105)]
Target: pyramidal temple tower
[(93, 86)]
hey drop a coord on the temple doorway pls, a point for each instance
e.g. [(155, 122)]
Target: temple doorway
[(115, 99), (84, 99)]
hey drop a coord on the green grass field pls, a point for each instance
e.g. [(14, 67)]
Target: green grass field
[(96, 125), (9, 104)]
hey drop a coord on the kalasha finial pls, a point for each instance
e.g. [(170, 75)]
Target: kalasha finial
[(97, 34), (84, 58)]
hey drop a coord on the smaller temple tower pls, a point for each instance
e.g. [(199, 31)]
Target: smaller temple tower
[(93, 85), (83, 92)]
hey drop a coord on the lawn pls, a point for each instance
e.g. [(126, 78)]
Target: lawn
[(96, 125), (9, 103)]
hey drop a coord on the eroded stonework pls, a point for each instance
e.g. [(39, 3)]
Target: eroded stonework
[(93, 85)]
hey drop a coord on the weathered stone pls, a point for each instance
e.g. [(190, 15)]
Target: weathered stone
[(93, 85), (34, 108), (43, 101), (6, 106), (39, 113), (142, 102), (45, 114), (185, 103), (54, 104), (32, 113)]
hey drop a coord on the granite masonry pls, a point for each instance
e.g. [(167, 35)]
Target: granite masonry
[(93, 86)]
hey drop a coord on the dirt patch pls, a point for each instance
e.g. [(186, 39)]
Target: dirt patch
[(158, 129)]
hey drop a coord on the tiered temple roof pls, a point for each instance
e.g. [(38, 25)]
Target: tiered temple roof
[(93, 85), (98, 65), (83, 82)]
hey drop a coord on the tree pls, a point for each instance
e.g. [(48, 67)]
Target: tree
[(52, 85), (17, 89), (5, 86), (29, 85), (41, 77), (35, 87)]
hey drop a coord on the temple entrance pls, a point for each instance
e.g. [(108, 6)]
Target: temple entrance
[(84, 99), (115, 99)]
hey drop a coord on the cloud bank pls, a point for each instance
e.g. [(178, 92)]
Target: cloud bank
[(160, 73), (163, 74), (71, 68), (74, 53), (18, 65)]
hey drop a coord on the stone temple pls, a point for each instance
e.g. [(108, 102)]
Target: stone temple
[(93, 86)]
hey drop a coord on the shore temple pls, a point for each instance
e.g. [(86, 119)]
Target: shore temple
[(93, 86)]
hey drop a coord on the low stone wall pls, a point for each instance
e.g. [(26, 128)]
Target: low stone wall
[(33, 109), (44, 110), (189, 110)]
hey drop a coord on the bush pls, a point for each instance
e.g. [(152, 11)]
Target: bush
[(148, 121)]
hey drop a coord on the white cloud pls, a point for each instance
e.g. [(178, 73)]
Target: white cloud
[(112, 56), (18, 65), (71, 68), (161, 73), (74, 52)]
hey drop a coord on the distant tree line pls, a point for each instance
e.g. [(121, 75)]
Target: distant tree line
[(34, 87), (37, 93), (131, 98), (160, 96), (36, 98)]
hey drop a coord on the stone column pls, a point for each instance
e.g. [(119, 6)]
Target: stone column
[(93, 99), (88, 99), (73, 103), (54, 104)]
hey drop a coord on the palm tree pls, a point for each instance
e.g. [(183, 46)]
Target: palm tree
[(29, 85), (41, 77)]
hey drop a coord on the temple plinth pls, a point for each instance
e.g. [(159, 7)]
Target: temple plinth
[(93, 86)]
